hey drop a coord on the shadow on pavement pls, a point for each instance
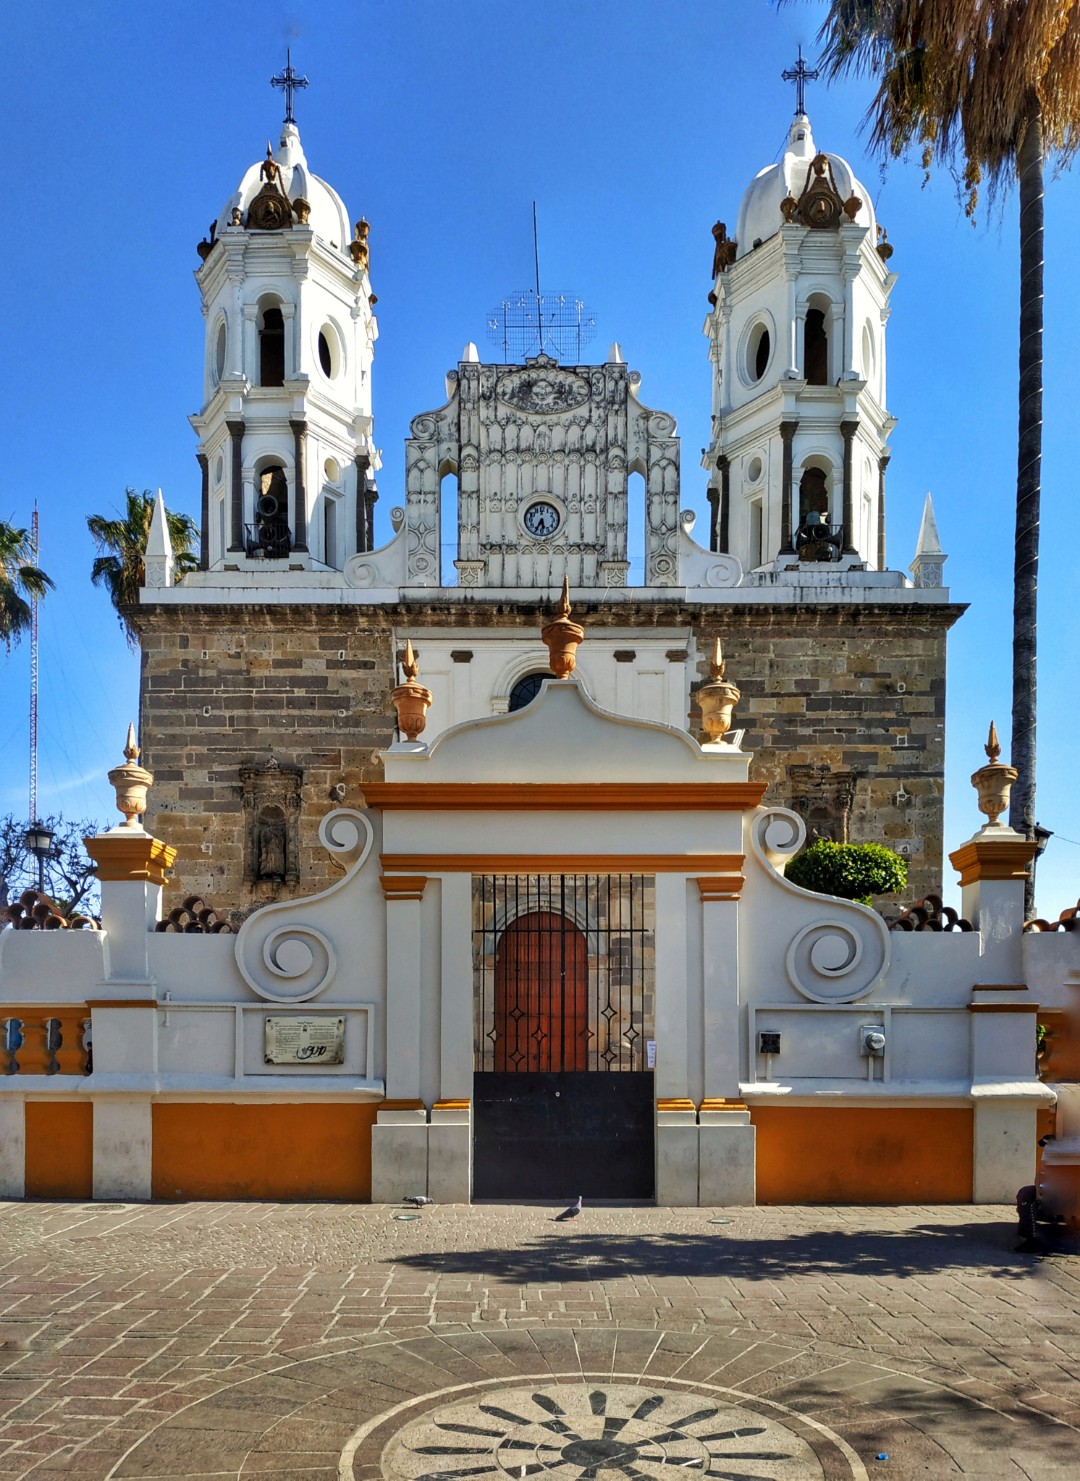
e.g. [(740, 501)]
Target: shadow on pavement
[(574, 1254)]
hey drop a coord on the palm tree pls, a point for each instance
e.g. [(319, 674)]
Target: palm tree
[(122, 571), (20, 579), (994, 85)]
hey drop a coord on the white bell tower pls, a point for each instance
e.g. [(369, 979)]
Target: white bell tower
[(800, 301), (285, 430)]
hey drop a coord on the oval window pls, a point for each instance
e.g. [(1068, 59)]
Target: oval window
[(326, 359), (754, 471), (219, 352), (332, 470), (758, 352)]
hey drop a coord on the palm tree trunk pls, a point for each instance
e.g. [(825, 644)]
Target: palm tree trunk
[(1029, 168)]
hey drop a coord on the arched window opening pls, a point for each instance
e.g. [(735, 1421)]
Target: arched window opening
[(219, 352), (756, 534), (272, 347), (270, 535), (449, 550), (542, 995), (330, 533), (526, 690), (816, 539), (636, 540), (816, 348)]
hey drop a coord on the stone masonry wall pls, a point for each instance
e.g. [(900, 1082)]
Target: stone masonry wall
[(859, 690)]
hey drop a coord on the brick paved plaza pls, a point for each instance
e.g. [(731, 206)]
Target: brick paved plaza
[(340, 1341)]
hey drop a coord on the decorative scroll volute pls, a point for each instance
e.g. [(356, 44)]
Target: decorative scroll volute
[(285, 951), (836, 951)]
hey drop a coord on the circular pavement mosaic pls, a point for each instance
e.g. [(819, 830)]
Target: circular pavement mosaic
[(591, 1431)]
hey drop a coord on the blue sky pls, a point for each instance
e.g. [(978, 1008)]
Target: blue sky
[(634, 126)]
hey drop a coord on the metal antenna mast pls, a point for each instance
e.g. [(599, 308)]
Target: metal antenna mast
[(34, 675), (536, 262)]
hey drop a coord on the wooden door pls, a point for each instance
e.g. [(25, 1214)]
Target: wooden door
[(541, 995)]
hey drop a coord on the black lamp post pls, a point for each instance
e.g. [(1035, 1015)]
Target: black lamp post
[(1042, 838), (39, 841)]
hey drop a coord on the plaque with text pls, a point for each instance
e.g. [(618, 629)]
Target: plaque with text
[(304, 1040)]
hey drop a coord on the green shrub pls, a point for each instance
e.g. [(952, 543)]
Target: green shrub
[(854, 871)]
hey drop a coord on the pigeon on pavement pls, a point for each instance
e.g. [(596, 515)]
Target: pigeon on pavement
[(571, 1212), (419, 1200)]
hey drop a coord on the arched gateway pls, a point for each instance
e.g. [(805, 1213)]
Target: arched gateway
[(563, 1006)]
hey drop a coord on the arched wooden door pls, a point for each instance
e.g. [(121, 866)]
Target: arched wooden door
[(541, 995)]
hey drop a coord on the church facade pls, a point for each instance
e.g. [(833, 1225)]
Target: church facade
[(267, 672)]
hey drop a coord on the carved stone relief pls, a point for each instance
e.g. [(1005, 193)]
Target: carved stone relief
[(271, 796), (823, 798)]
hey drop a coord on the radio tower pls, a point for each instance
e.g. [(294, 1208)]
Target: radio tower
[(33, 675)]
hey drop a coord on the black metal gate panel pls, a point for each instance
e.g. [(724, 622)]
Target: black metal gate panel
[(554, 1136), (563, 1083)]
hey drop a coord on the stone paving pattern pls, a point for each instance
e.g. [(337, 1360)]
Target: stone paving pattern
[(250, 1339)]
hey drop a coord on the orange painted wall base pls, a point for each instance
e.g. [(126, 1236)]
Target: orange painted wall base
[(59, 1149), (859, 1154), (278, 1152)]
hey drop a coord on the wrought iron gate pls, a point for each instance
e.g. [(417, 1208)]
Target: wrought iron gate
[(563, 1015)]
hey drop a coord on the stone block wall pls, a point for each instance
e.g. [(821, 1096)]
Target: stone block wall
[(858, 692)]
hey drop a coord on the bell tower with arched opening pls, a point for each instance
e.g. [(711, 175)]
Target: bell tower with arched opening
[(799, 305), (285, 429)]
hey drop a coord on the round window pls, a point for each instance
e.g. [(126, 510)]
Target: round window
[(219, 469), (328, 347), (331, 470), (754, 469)]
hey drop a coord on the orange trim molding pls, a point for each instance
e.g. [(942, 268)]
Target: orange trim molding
[(400, 1105), (992, 858), (1003, 1007), (569, 864), (722, 887), (451, 1105), (134, 857), (565, 796), (403, 886), (123, 1003), (676, 1103), (714, 1103)]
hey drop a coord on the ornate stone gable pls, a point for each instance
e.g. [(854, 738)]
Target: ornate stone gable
[(543, 456)]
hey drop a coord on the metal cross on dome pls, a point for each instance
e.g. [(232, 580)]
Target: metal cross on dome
[(289, 80), (800, 75)]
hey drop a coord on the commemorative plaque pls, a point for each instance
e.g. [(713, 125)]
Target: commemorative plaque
[(304, 1040)]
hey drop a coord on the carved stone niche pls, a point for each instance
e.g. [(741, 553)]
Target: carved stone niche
[(271, 824), (823, 798)]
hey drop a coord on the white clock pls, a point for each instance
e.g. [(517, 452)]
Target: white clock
[(541, 519)]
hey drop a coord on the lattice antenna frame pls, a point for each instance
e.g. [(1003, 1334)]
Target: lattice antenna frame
[(528, 322)]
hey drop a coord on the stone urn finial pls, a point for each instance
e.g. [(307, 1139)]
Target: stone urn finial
[(718, 698), (411, 700), (131, 782), (563, 636), (993, 782)]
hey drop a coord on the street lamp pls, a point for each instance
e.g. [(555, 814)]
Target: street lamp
[(39, 841), (1042, 837)]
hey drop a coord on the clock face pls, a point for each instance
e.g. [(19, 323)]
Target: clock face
[(541, 519)]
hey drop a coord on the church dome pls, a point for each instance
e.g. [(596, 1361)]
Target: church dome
[(328, 219), (761, 214)]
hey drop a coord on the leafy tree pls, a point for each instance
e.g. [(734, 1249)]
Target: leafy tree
[(70, 881), (854, 871), (20, 579), (121, 545), (991, 85)]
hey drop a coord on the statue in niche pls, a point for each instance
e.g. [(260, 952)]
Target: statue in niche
[(270, 845)]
